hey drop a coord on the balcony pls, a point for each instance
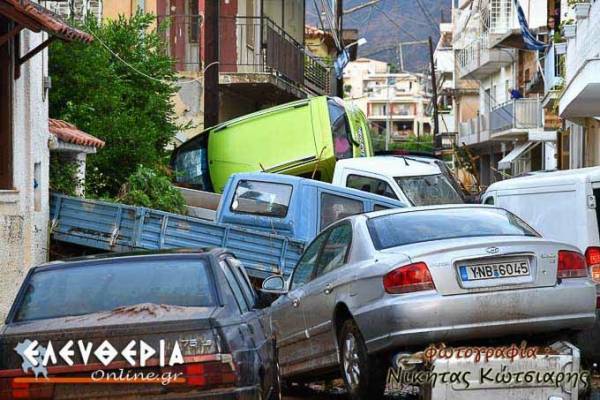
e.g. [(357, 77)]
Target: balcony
[(500, 20), (477, 61), (253, 50), (516, 118), (581, 97), (552, 74), (473, 131), (256, 50)]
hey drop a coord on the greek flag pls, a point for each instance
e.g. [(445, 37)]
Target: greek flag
[(529, 38)]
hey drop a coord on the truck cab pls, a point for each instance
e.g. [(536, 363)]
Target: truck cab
[(291, 206), (414, 180)]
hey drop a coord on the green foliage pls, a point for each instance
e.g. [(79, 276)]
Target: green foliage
[(414, 143), (150, 188), (63, 175), (103, 96)]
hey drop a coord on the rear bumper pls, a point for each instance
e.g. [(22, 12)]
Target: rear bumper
[(397, 321)]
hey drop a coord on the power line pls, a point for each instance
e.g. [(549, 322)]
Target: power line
[(400, 28), (428, 16)]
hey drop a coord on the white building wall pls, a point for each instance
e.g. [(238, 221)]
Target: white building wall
[(24, 211)]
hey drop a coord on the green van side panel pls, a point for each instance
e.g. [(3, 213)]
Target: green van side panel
[(293, 139)]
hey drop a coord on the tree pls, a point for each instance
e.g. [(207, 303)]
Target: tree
[(130, 110)]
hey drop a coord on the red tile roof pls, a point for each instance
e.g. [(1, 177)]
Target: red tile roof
[(69, 133), (37, 18)]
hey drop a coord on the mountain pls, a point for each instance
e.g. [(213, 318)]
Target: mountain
[(390, 22)]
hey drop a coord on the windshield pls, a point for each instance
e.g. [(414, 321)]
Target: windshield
[(340, 129), (89, 288), (427, 190), (426, 225)]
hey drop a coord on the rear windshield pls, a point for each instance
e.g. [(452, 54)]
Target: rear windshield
[(262, 198), (422, 226), (428, 190), (88, 288)]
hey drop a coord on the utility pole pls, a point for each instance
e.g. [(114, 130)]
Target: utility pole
[(211, 55), (437, 139), (388, 120), (401, 57), (339, 21)]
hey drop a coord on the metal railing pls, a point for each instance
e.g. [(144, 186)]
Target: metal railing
[(552, 69), (182, 36), (258, 45), (470, 57), (517, 114)]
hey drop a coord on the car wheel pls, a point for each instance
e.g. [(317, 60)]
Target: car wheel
[(363, 377)]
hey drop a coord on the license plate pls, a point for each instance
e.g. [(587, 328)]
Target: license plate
[(495, 270)]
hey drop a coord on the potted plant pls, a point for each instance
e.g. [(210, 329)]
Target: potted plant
[(560, 46), (581, 7), (569, 29)]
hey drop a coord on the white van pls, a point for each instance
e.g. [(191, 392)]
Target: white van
[(564, 206), (414, 180), (561, 205)]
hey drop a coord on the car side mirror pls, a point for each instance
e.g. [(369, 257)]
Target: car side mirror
[(274, 284)]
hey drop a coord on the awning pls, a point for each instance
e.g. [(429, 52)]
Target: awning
[(519, 150)]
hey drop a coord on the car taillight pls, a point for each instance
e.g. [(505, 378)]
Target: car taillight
[(592, 256), (213, 373), (10, 389), (408, 278), (571, 264)]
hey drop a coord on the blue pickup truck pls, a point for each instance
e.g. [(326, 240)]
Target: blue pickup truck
[(264, 219)]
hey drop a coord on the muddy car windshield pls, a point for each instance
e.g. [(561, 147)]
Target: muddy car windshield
[(429, 190), (87, 289), (428, 225)]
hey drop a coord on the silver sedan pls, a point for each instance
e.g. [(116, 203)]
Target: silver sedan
[(377, 283)]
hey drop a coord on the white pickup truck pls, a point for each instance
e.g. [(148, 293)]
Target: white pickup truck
[(414, 180)]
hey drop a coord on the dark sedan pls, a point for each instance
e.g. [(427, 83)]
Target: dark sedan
[(183, 324)]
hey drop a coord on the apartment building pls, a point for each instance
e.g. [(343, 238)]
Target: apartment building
[(263, 60), (443, 57), (394, 103), (579, 91), (508, 135)]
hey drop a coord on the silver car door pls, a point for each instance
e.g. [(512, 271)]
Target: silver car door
[(288, 317), (322, 292)]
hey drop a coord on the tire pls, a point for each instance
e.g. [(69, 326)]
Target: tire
[(364, 377)]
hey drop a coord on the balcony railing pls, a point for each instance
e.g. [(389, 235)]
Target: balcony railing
[(246, 45), (258, 45), (517, 114), (477, 60)]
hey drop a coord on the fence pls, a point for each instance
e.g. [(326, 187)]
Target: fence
[(517, 114)]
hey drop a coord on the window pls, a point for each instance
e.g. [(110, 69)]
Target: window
[(6, 87), (250, 24), (305, 268), (490, 200), (379, 207), (335, 249), (262, 198), (242, 279), (92, 288), (235, 287), (194, 21), (422, 226), (426, 190), (334, 208), (371, 185), (340, 129)]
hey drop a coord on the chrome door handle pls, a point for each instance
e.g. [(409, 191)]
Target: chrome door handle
[(296, 303), (328, 289)]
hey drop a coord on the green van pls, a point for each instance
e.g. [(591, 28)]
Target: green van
[(302, 138)]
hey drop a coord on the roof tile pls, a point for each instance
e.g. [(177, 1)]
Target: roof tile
[(69, 133)]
